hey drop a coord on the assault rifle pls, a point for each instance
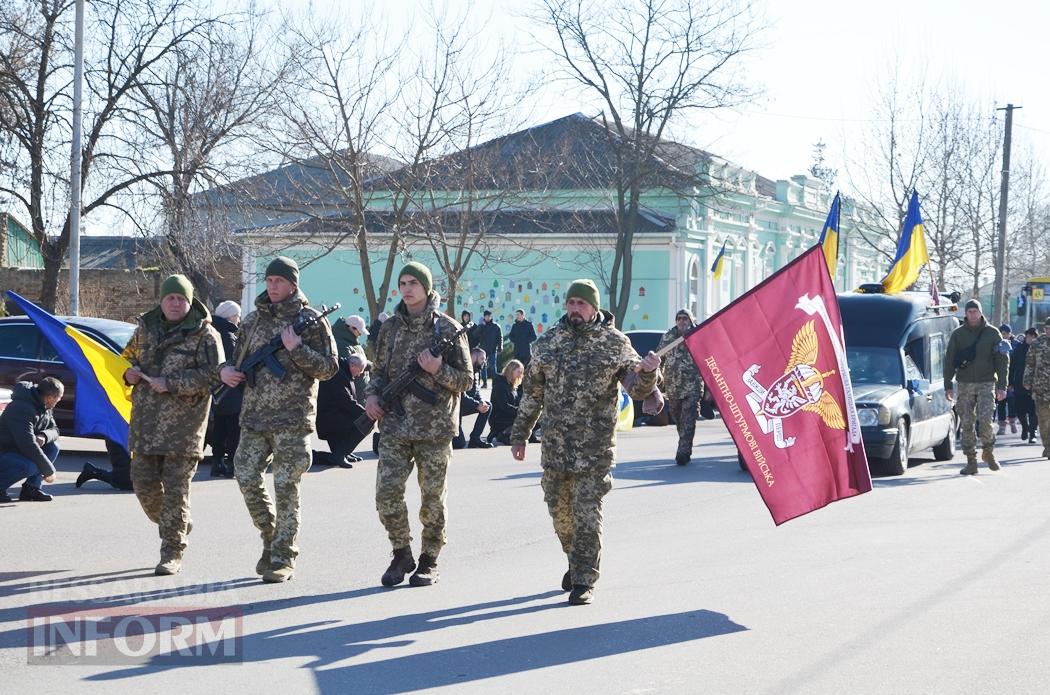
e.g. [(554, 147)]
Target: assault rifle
[(266, 356), (406, 382)]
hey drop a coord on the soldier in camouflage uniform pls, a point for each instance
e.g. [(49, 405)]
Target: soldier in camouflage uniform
[(973, 358), (278, 414), (416, 432), (574, 376), (1037, 380), (174, 353), (681, 385)]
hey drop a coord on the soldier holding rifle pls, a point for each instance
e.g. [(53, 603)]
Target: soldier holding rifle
[(419, 426), (278, 413)]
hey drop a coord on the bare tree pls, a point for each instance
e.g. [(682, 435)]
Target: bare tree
[(648, 63), (123, 41), (197, 112), (820, 169)]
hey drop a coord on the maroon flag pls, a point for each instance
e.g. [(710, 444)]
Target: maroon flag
[(775, 363)]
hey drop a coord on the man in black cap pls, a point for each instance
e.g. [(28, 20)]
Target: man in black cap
[(973, 358), (1004, 409)]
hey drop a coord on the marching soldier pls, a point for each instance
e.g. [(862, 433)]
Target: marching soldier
[(416, 432), (574, 376), (1037, 380), (277, 416), (682, 385), (174, 353)]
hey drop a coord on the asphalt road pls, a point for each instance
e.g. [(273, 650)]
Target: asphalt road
[(932, 583)]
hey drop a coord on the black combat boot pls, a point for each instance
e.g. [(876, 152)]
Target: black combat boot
[(402, 564), (427, 572), (581, 595), (681, 458), (566, 581), (91, 472)]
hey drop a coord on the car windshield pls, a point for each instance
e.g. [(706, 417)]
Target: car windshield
[(869, 365)]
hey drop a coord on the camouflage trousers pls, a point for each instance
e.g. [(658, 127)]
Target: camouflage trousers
[(396, 459), (975, 404), (1042, 410), (684, 410), (575, 504), (162, 485), (289, 451)]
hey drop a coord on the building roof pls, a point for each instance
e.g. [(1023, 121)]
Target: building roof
[(118, 252), (572, 152)]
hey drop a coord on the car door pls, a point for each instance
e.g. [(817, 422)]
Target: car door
[(19, 353), (920, 399)]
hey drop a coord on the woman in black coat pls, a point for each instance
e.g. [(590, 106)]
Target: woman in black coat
[(226, 428), (506, 395)]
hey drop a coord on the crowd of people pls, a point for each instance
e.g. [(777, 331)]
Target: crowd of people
[(414, 375), (186, 372)]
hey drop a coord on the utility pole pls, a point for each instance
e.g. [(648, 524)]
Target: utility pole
[(999, 288), (75, 164)]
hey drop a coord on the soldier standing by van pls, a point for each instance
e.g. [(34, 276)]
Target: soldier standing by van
[(974, 360)]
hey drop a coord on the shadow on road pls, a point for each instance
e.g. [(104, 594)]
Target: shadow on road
[(328, 644)]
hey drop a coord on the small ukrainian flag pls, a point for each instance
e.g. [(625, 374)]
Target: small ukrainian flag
[(911, 251), (829, 237), (720, 261)]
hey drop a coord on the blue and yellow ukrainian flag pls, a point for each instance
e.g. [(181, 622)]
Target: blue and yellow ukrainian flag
[(103, 401), (911, 252), (720, 261), (829, 237)]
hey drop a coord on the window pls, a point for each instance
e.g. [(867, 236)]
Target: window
[(19, 341), (911, 370), (937, 357)]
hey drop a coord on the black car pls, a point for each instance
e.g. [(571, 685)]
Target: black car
[(25, 355), (895, 347)]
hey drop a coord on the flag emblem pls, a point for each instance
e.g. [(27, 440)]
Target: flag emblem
[(799, 389)]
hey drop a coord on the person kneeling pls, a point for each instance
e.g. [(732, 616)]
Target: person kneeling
[(29, 439), (337, 409)]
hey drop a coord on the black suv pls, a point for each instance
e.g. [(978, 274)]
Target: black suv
[(25, 355), (895, 348)]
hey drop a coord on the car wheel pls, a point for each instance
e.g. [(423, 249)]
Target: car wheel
[(898, 460), (945, 451)]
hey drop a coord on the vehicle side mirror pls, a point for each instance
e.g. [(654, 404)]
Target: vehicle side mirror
[(919, 386)]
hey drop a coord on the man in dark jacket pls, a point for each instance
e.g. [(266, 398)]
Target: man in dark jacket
[(973, 358), (29, 439), (1024, 404), (472, 403), (523, 335), (337, 408), (490, 339), (226, 428)]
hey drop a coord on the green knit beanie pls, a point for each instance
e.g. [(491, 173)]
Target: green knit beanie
[(419, 272), (177, 284), (586, 290), (284, 267)]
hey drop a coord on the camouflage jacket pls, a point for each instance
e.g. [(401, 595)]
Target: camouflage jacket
[(173, 423), (681, 377), (1037, 369), (400, 340), (574, 375), (288, 403)]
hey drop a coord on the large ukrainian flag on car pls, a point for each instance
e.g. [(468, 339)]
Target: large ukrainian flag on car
[(103, 401), (911, 252)]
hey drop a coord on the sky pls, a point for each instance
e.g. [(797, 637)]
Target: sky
[(820, 65)]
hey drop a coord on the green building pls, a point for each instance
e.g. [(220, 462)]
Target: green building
[(547, 216)]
